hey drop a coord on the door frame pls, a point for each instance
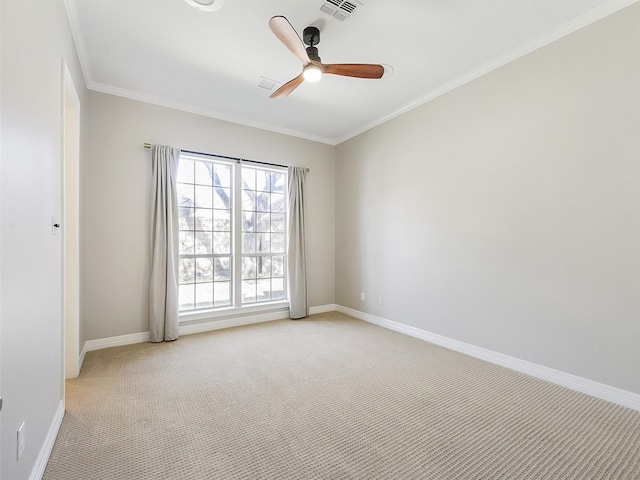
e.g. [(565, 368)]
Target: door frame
[(70, 195)]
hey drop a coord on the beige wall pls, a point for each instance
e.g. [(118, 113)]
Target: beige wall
[(506, 213), (115, 199), (36, 38)]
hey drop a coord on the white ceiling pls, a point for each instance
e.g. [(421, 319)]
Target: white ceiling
[(168, 53)]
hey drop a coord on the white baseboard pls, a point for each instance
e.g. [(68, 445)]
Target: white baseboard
[(212, 325), (187, 329), (322, 309), (83, 354), (190, 328), (120, 340), (595, 389), (45, 451)]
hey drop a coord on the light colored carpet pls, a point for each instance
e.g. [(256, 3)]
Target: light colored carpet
[(329, 397)]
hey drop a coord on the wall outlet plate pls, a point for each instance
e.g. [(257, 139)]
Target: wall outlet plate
[(363, 296)]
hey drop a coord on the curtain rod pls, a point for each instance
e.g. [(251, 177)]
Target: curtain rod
[(148, 145)]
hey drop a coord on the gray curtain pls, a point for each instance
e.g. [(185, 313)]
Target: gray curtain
[(297, 252), (163, 285)]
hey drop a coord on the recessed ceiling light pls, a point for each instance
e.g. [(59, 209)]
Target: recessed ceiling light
[(206, 5)]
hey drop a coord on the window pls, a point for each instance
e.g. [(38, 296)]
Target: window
[(263, 235), (232, 221)]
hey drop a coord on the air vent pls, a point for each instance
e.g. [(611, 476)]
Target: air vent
[(341, 9), (266, 83)]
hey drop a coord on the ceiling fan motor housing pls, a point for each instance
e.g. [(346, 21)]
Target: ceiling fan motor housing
[(313, 54), (311, 36)]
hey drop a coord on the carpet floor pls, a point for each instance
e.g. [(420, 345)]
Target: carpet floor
[(329, 397)]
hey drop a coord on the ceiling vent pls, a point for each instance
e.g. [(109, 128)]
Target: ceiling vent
[(267, 83), (341, 9)]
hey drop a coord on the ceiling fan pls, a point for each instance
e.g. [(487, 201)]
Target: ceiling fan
[(313, 68)]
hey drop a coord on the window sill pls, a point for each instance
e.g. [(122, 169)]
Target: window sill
[(231, 312)]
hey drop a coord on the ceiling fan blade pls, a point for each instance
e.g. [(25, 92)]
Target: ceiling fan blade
[(281, 27), (288, 87), (359, 70)]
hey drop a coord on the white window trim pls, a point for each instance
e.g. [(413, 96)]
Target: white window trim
[(227, 312)]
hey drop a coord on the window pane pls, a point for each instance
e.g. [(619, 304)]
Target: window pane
[(248, 243), (277, 266), (222, 268), (186, 297), (204, 196), (222, 220), (204, 173), (248, 291), (204, 219), (248, 178), (186, 195), (277, 182), (186, 273), (185, 218), (221, 199), (248, 221), (222, 175), (203, 243), (221, 242), (263, 203), (263, 243), (248, 200), (204, 295), (186, 243), (277, 243), (263, 290), (277, 223), (221, 294), (248, 268), (263, 222), (263, 266), (185, 171), (277, 203), (204, 270), (263, 180), (277, 288)]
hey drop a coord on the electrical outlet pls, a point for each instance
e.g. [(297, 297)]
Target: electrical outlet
[(21, 440), (363, 296), (380, 300)]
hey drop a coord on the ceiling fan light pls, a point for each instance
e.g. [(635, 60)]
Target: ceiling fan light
[(312, 73), (206, 5)]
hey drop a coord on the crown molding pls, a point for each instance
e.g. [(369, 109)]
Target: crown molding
[(185, 107), (76, 32), (74, 22), (546, 39), (529, 47)]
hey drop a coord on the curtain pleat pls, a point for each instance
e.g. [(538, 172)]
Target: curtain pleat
[(297, 251), (163, 285)]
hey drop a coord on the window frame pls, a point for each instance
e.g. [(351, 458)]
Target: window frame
[(237, 255), (270, 232)]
